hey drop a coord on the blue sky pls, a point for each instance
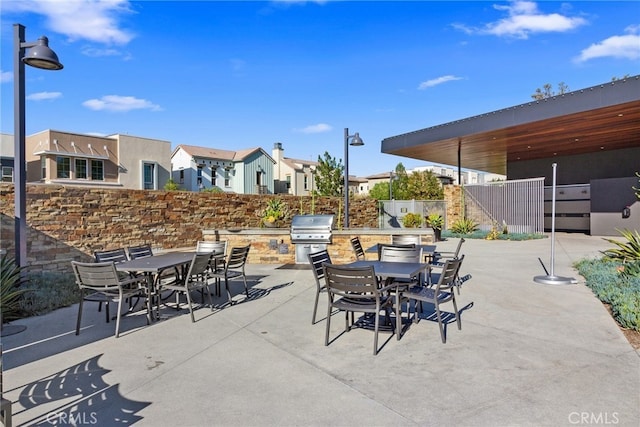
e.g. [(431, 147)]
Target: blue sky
[(236, 75)]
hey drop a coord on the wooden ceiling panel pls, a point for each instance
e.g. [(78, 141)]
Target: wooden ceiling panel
[(607, 128)]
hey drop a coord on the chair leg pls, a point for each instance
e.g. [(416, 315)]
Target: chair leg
[(315, 308), (79, 313), (187, 292), (226, 285), (439, 316), (398, 316), (455, 308), (210, 298), (326, 335), (375, 336), (246, 289), (347, 327), (106, 310), (118, 317)]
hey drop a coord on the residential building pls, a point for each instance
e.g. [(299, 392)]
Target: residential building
[(292, 176), (57, 157), (247, 171), (6, 157)]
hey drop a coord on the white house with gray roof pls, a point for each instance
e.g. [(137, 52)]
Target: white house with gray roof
[(247, 171)]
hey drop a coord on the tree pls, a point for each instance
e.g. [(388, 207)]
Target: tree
[(380, 191), (399, 183), (547, 91), (424, 185), (329, 176)]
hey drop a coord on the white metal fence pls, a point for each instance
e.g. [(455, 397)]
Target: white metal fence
[(516, 204)]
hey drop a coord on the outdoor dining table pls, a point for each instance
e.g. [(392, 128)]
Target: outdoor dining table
[(152, 266)]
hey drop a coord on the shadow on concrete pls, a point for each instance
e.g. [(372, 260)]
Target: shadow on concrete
[(83, 397)]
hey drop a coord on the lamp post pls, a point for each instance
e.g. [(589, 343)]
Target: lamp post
[(40, 56), (390, 185), (355, 141)]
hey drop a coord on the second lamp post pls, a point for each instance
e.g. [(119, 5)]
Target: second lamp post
[(355, 141)]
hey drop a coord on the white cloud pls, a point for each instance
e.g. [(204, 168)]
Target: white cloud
[(44, 96), (95, 20), (118, 103), (96, 52), (523, 20), (6, 76), (626, 46), (317, 128), (437, 81)]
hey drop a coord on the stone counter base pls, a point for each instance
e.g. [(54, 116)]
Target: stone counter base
[(273, 246)]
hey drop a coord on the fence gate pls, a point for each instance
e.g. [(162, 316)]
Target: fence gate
[(516, 204)]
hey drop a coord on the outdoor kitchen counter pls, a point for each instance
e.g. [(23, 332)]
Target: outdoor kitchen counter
[(273, 245)]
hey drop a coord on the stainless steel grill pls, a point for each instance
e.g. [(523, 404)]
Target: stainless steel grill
[(310, 233)]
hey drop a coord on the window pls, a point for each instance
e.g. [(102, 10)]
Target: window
[(288, 182), (226, 177), (181, 176), (149, 176), (81, 168), (214, 171), (97, 170), (306, 182), (63, 167), (7, 174), (43, 167)]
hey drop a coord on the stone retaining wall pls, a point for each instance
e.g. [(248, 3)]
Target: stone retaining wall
[(67, 222)]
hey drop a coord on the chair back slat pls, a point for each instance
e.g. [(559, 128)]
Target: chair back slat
[(406, 239), (398, 254), (357, 248), (140, 251), (115, 255), (317, 259), (99, 276), (351, 283), (387, 245), (449, 274), (238, 256), (199, 264)]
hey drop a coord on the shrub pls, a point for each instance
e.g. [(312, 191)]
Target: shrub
[(628, 253), (464, 226), (435, 221), (412, 220), (608, 281), (48, 292), (11, 290)]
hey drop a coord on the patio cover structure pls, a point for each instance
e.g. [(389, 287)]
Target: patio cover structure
[(590, 122)]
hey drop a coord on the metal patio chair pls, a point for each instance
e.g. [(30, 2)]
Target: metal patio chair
[(352, 289), (438, 294), (102, 278), (196, 279), (234, 267), (317, 259)]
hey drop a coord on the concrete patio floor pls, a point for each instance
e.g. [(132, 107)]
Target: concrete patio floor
[(527, 355)]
